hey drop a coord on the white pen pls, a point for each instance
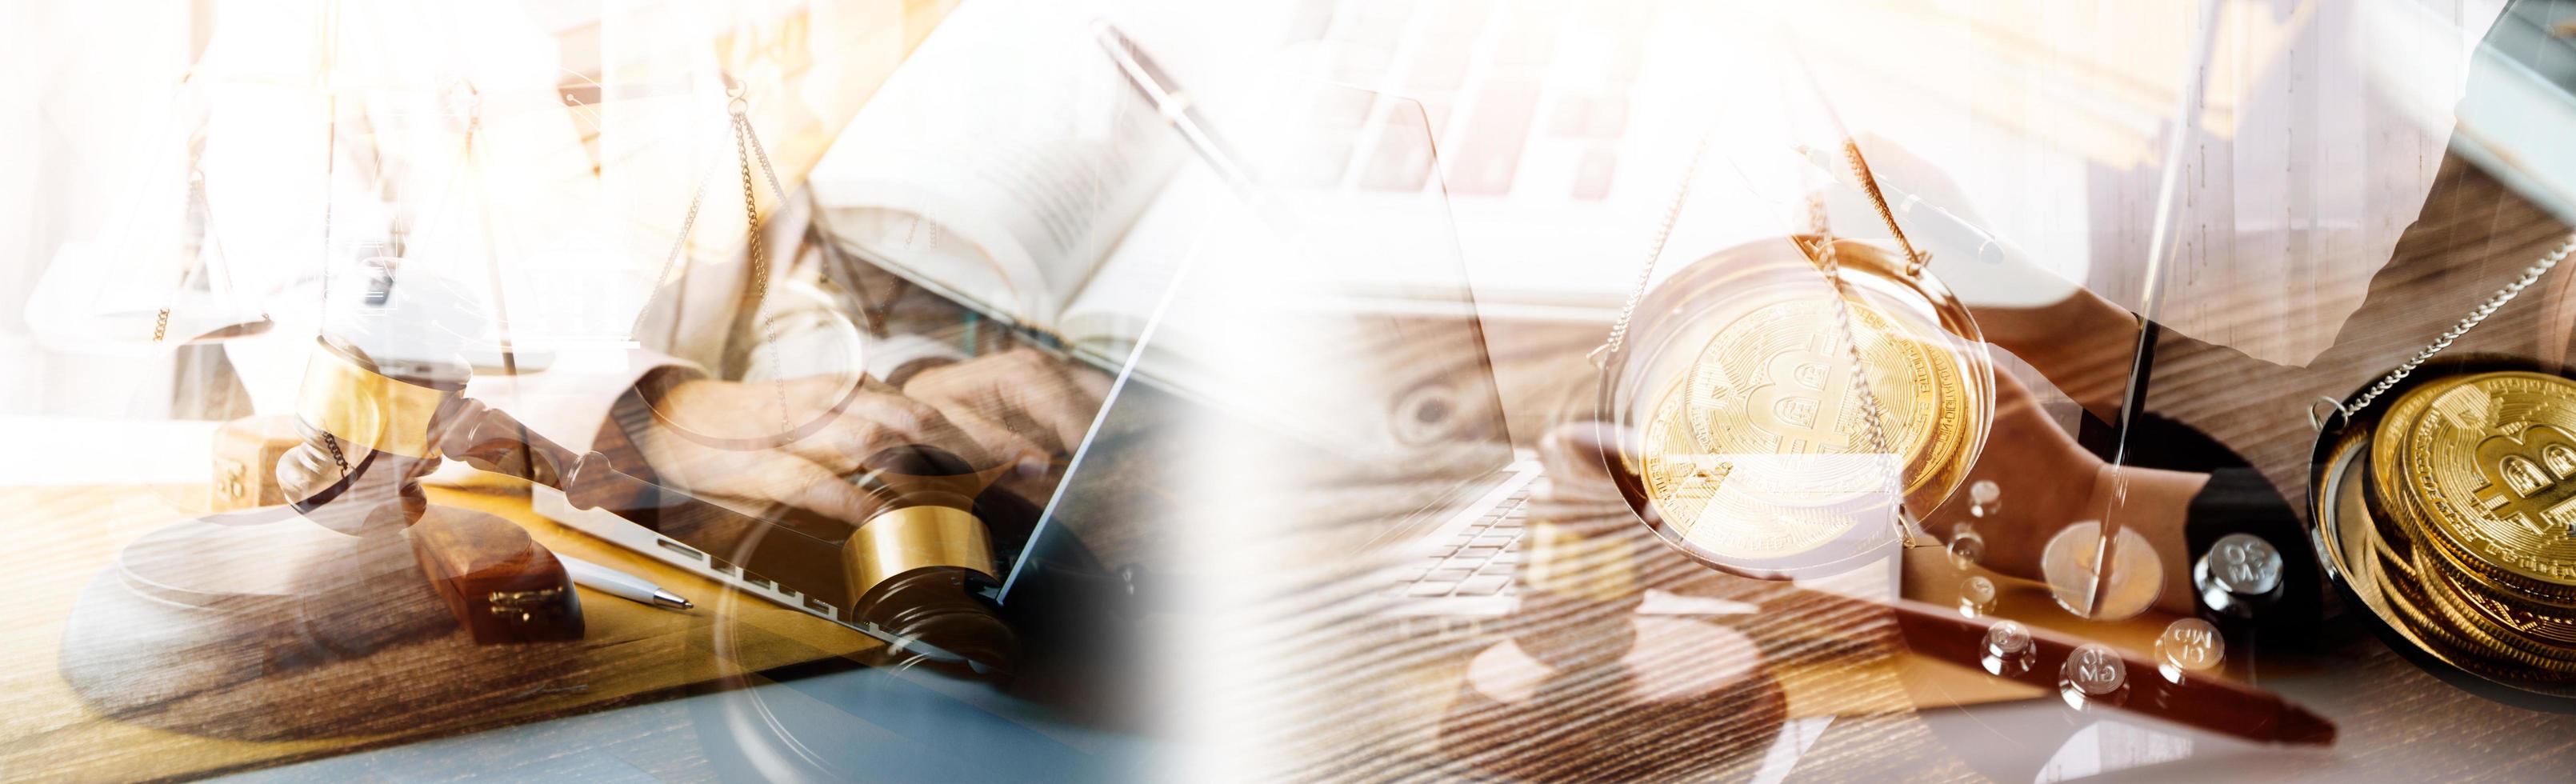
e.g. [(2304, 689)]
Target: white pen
[(620, 584)]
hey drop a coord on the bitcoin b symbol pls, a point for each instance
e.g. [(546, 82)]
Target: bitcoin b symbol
[(2527, 470), (1803, 399)]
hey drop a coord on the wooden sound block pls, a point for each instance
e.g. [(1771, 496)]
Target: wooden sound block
[(245, 456), (1689, 700), (500, 584), (261, 625)]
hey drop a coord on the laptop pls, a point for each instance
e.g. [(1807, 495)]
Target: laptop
[(1384, 363), (1560, 127)]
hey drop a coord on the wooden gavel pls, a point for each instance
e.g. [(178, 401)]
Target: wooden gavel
[(912, 570)]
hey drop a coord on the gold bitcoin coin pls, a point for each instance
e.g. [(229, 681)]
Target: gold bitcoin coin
[(2394, 508), (2492, 463), (2463, 644), (2488, 625), (1774, 386), (2552, 628), (1743, 441), (2443, 623), (1698, 496)]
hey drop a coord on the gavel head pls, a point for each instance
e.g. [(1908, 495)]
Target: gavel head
[(919, 564), (367, 439), (387, 363)]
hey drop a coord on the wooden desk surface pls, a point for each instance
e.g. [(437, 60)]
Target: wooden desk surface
[(814, 67), (2396, 721), (67, 536)]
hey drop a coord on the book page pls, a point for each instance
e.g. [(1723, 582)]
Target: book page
[(1111, 310), (1001, 181)]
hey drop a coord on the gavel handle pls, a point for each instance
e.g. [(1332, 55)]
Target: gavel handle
[(491, 440)]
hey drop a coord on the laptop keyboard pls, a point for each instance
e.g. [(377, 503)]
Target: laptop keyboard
[(1525, 96), (1478, 560)]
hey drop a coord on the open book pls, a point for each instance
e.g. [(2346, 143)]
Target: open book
[(1030, 187)]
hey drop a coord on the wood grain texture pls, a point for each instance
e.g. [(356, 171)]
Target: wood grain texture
[(67, 536), (2472, 237)]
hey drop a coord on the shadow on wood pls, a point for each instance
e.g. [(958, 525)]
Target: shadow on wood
[(230, 626)]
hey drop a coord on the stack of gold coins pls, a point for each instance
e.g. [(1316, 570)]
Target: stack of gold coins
[(2473, 486)]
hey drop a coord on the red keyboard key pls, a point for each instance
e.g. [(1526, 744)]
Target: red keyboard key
[(1592, 174), (1499, 126)]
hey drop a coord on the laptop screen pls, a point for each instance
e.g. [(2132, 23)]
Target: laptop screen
[(1321, 334), (1344, 310)]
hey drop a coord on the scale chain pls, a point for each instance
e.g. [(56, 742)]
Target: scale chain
[(2476, 316)]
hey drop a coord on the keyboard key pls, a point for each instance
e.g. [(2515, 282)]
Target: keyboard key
[(1339, 116), (1508, 557), (1592, 174), (1402, 161), (1448, 575), (1441, 62), (1531, 38), (1376, 24), (1589, 117), (1310, 21), (1480, 552), (1496, 567), (1487, 585), (1494, 540), (1430, 589), (1572, 117), (1435, 112), (1500, 124), (1357, 63)]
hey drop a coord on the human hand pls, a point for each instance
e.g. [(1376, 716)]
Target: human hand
[(2048, 482), (806, 473), (1022, 405), (2084, 345), (2046, 479)]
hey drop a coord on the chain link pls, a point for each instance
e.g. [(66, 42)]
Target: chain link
[(2476, 315), (332, 443), (1872, 415), (747, 151), (671, 261), (742, 144), (187, 208), (1869, 185), (1870, 411), (1906, 527), (763, 154), (1663, 233)]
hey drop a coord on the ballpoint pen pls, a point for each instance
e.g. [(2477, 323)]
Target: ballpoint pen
[(620, 584), (1176, 106)]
